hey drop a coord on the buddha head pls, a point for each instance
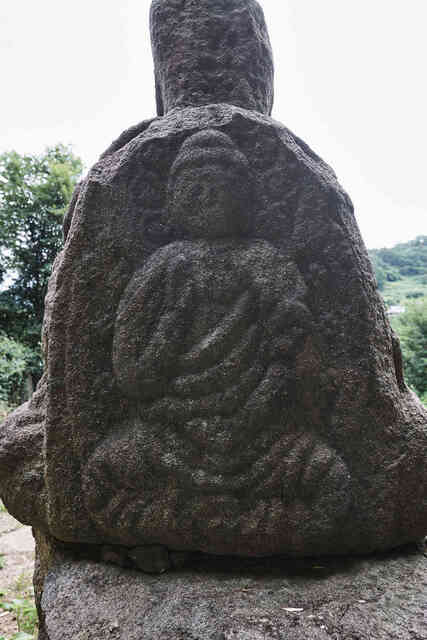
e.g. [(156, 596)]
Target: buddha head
[(209, 188)]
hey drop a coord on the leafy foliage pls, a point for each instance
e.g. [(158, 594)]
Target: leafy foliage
[(411, 327), (406, 259), (23, 608), (15, 360), (25, 612), (402, 279), (34, 193), (405, 263)]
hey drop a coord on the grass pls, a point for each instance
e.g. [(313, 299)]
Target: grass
[(24, 584), (25, 612), (23, 609)]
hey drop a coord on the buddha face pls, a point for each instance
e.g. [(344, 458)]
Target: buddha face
[(208, 190)]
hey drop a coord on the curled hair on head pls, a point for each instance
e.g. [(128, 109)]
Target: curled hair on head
[(209, 147)]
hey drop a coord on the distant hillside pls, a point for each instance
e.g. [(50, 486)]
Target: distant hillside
[(402, 271)]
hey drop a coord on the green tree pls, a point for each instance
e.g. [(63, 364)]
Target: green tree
[(411, 327), (406, 259), (34, 193), (15, 361)]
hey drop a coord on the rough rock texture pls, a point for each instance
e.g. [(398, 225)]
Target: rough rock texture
[(382, 598), (211, 51), (22, 481), (220, 372), (221, 375)]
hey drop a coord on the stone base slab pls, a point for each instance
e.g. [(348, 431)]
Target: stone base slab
[(381, 597)]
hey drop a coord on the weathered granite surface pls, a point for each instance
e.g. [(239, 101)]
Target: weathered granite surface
[(220, 377), (211, 52), (230, 385), (220, 372), (381, 598)]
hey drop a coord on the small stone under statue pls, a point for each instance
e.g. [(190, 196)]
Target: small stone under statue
[(220, 374)]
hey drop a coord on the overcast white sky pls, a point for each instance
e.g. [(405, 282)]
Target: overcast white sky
[(350, 80)]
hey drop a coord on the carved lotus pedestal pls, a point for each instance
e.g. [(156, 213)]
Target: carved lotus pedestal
[(220, 375)]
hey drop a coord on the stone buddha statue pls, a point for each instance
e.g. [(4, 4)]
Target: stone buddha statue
[(220, 372), (205, 342)]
